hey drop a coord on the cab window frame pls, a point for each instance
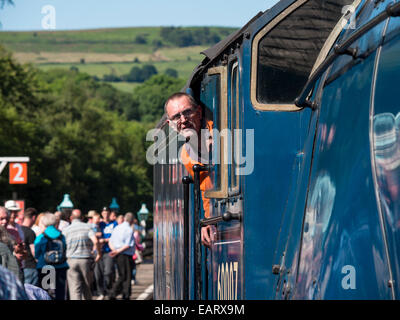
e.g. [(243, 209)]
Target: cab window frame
[(255, 62), (234, 108), (222, 191)]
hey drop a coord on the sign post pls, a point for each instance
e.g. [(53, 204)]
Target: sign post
[(18, 169)]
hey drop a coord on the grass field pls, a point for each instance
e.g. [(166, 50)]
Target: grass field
[(104, 51), (183, 61), (118, 40), (124, 86)]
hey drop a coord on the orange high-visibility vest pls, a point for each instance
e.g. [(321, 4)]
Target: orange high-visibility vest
[(205, 181)]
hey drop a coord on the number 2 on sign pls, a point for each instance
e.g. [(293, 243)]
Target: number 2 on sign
[(18, 173)]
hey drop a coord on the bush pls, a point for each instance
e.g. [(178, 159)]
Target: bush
[(111, 78), (184, 37), (140, 40), (157, 43), (151, 95), (171, 72), (138, 74)]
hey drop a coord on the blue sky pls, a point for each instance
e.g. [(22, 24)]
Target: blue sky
[(87, 14)]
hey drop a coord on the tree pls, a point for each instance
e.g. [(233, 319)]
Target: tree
[(137, 74), (4, 2), (139, 39), (148, 71), (76, 134), (151, 95), (134, 75), (171, 72)]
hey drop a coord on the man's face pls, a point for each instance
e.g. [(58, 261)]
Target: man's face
[(13, 215), (106, 215), (184, 117), (3, 218), (96, 219)]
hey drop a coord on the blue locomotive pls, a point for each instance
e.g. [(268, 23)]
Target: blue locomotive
[(306, 193)]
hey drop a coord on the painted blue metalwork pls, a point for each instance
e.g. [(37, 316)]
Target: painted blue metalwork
[(385, 145), (320, 211), (341, 208)]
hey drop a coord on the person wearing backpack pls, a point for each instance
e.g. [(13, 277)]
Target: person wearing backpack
[(50, 253)]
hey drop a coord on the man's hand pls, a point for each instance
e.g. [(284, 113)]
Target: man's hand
[(20, 251), (113, 253), (98, 257), (206, 236)]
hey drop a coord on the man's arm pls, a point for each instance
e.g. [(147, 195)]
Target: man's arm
[(206, 236), (32, 247), (97, 245), (116, 252)]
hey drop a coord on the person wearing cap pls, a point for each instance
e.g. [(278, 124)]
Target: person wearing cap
[(13, 227), (14, 230), (104, 269)]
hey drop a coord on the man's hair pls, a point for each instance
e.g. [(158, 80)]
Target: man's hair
[(6, 238), (48, 219), (76, 214), (30, 213), (178, 95), (5, 210), (129, 217)]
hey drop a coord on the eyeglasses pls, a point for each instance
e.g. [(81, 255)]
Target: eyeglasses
[(188, 113)]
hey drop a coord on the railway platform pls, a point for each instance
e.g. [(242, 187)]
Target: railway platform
[(143, 287)]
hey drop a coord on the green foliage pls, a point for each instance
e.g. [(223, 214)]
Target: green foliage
[(171, 72), (3, 2), (76, 134), (157, 44), (138, 74), (116, 40), (151, 95), (183, 37), (140, 39), (111, 78)]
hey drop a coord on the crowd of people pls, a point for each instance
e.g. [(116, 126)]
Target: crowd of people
[(66, 255)]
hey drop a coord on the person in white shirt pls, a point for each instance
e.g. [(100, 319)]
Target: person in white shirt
[(122, 245)]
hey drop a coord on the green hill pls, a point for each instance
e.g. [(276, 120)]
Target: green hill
[(103, 52)]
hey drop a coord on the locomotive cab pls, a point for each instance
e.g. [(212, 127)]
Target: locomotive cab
[(278, 93)]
